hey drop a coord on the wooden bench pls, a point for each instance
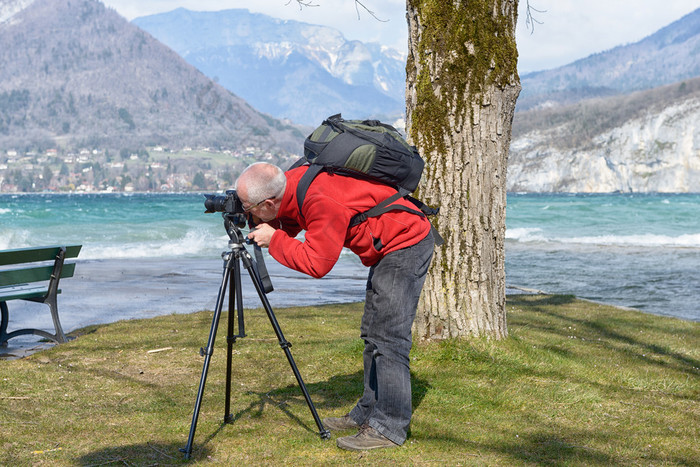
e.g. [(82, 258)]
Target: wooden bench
[(33, 274)]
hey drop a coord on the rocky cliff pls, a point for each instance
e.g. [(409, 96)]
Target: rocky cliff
[(644, 142)]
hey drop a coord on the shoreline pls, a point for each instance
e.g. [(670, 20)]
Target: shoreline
[(25, 346), (124, 289)]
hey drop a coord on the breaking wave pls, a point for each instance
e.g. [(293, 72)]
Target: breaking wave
[(536, 235)]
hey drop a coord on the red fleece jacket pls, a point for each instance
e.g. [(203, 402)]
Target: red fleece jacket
[(330, 203)]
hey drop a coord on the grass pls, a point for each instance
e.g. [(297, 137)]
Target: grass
[(575, 383)]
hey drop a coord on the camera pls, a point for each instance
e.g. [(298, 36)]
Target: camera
[(229, 203)]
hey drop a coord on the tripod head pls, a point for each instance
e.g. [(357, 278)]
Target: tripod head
[(233, 223)]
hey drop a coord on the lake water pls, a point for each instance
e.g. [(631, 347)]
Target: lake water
[(150, 254)]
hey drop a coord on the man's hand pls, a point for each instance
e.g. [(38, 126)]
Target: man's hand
[(262, 235)]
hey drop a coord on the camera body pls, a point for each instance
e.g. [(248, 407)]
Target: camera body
[(229, 203), (231, 207)]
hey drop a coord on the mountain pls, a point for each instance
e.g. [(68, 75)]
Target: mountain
[(289, 69), (76, 74), (670, 55), (648, 141)]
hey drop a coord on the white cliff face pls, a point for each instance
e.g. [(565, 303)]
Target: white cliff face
[(658, 152)]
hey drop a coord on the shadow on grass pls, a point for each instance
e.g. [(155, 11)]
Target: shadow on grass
[(554, 446), (545, 447), (607, 334), (562, 445), (139, 454), (541, 300), (533, 442), (340, 391)]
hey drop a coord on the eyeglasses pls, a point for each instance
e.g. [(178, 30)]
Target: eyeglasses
[(248, 209)]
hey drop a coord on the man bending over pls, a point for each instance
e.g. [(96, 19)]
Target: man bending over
[(396, 246)]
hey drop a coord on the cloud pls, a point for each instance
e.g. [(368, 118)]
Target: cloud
[(571, 29)]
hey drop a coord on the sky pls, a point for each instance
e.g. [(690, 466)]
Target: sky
[(564, 31)]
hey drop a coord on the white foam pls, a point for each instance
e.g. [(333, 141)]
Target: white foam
[(526, 234), (536, 235), (11, 239), (196, 242), (644, 240)]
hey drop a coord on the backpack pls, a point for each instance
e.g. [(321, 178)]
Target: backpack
[(366, 149)]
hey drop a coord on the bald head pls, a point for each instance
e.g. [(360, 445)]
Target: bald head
[(261, 181)]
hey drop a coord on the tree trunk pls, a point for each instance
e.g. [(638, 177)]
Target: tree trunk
[(462, 84)]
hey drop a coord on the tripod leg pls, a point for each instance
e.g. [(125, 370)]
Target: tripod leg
[(235, 301), (247, 261), (207, 353), (229, 348)]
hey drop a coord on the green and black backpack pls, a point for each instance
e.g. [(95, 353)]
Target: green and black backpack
[(366, 149)]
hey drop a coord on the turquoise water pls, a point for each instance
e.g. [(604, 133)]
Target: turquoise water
[(113, 225), (641, 251), (634, 250), (634, 220)]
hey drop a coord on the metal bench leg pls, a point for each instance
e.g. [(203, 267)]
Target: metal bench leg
[(52, 303), (5, 336), (4, 318)]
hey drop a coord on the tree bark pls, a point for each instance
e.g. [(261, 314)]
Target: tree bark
[(461, 89)]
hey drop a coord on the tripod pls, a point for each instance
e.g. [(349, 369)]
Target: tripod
[(232, 279)]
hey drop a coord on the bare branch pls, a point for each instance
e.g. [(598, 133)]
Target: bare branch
[(303, 3), (530, 20), (358, 5)]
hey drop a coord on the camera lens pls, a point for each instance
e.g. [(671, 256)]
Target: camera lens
[(214, 203)]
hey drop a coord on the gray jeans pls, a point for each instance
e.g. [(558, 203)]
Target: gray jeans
[(393, 289)]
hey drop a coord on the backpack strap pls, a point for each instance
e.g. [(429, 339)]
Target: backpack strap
[(425, 209), (378, 210), (298, 163), (428, 211), (305, 182), (384, 206)]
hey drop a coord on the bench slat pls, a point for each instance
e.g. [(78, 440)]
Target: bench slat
[(23, 292), (28, 255), (34, 265), (37, 274)]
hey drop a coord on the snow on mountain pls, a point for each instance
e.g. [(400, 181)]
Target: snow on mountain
[(9, 8), (288, 69)]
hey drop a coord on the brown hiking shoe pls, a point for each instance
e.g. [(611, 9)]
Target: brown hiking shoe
[(340, 423), (366, 438)]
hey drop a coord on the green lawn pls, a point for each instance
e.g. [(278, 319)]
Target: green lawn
[(575, 383)]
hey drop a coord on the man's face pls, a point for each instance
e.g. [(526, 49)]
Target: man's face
[(261, 211)]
